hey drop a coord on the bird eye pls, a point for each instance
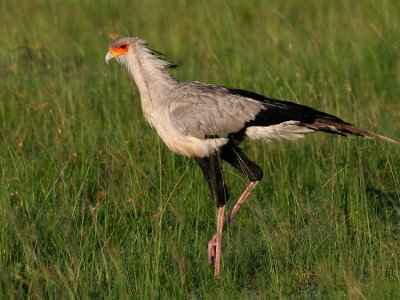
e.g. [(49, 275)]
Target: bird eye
[(122, 46)]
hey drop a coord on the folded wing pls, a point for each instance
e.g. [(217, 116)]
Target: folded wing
[(209, 111)]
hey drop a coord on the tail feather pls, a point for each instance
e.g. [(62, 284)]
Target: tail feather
[(281, 120), (344, 128)]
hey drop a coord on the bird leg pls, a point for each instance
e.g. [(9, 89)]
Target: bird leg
[(214, 246), (242, 199), (212, 171)]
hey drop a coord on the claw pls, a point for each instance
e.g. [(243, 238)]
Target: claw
[(212, 246)]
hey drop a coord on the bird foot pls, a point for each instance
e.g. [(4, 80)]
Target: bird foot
[(214, 253), (211, 250)]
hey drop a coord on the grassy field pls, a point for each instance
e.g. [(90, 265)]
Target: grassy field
[(93, 205)]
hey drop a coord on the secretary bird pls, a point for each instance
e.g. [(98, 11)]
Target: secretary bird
[(209, 121)]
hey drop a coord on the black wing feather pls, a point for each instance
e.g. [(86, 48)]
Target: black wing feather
[(279, 111)]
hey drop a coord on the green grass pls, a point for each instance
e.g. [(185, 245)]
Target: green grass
[(92, 204)]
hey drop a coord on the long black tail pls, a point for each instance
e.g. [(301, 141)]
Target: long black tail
[(279, 111), (344, 128)]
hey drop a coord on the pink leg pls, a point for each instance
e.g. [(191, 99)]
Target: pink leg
[(214, 246), (218, 240)]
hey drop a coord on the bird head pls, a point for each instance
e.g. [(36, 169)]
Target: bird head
[(119, 49), (124, 49)]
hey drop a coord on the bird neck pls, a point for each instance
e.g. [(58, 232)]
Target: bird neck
[(151, 77)]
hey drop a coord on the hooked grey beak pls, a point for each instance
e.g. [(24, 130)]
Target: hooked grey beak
[(109, 56)]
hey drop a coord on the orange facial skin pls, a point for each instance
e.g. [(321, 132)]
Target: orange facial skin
[(119, 49)]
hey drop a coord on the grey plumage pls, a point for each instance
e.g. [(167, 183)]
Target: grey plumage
[(202, 110)]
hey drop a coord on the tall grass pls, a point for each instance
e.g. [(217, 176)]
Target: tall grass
[(92, 204)]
